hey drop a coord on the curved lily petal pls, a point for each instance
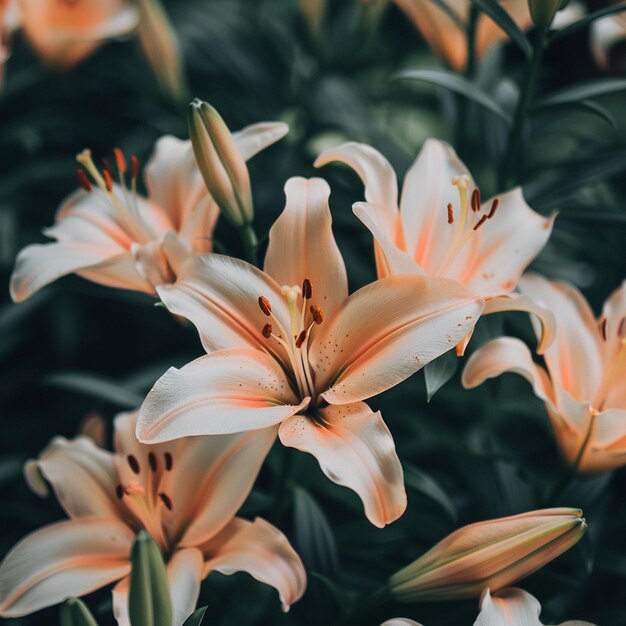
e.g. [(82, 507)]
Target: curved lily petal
[(184, 574), (604, 34), (613, 330), (118, 271), (519, 302), (262, 551), (577, 340), (391, 260), (388, 330), (355, 449), (225, 392), (219, 295), (426, 193), (507, 243), (254, 138), (506, 354), (302, 245), (400, 621), (509, 607), (83, 477), (70, 558), (379, 178), (607, 447), (226, 467)]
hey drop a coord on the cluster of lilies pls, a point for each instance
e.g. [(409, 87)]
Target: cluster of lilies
[(291, 354)]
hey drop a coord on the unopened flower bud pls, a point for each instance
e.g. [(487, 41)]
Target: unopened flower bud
[(491, 554), (75, 613), (222, 165), (543, 11), (149, 602)]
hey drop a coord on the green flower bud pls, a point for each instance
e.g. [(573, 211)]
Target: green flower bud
[(149, 602), (222, 166), (75, 613), (543, 11)]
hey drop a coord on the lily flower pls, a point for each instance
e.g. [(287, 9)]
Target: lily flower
[(513, 607), (184, 494), (491, 554), (583, 388), (604, 34), (108, 233), (64, 32), (448, 38), (289, 346), (442, 227)]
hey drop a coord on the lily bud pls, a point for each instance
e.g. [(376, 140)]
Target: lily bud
[(161, 49), (149, 602), (75, 613), (223, 167), (492, 554), (543, 11)]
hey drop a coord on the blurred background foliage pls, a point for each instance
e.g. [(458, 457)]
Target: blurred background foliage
[(77, 349)]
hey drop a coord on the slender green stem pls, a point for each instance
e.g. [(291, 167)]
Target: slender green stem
[(527, 92), (250, 242)]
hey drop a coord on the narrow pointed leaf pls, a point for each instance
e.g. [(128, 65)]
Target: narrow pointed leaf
[(196, 618), (495, 11), (74, 612), (426, 485), (458, 84), (97, 387), (583, 91)]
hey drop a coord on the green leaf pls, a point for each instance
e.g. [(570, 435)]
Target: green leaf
[(458, 84), (438, 372), (586, 106), (314, 538), (586, 21), (429, 487), (582, 91), (149, 602), (505, 22), (196, 618), (97, 387), (74, 612)]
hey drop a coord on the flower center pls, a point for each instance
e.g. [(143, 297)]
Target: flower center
[(124, 202), (466, 226), (144, 499), (295, 339)]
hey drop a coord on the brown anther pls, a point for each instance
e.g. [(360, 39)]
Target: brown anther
[(120, 161), (450, 213), (107, 166), (83, 181), (267, 331), (621, 328), (133, 463), (317, 313), (108, 180), (307, 289), (301, 338), (119, 491), (169, 462), (152, 461), (494, 208), (475, 201), (166, 501), (265, 306), (134, 166), (603, 328), (481, 221)]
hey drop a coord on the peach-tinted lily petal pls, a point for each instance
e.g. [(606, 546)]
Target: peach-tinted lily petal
[(507, 244), (70, 558), (604, 34), (400, 621), (302, 245), (254, 138), (118, 271), (391, 260), (262, 551), (613, 325), (184, 574), (64, 33), (226, 467), (607, 448), (83, 477), (519, 302), (388, 330), (574, 359), (506, 354), (355, 449), (219, 295), (224, 392)]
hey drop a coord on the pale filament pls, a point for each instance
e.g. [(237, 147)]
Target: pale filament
[(465, 229), (295, 339), (128, 211)]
